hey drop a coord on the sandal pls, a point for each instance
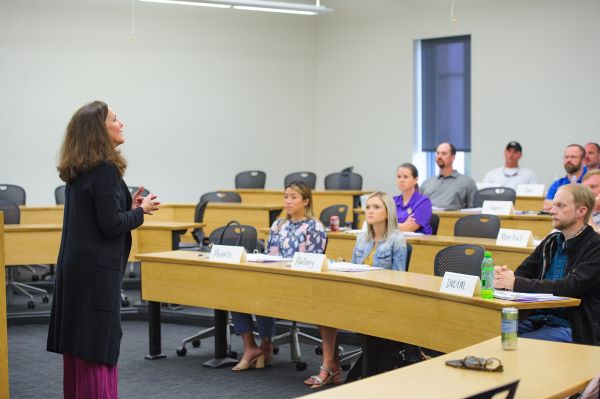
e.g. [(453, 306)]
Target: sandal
[(333, 377), (477, 363)]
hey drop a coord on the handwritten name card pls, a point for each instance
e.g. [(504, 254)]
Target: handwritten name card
[(310, 262), (227, 253), (515, 238), (498, 207), (460, 284), (531, 190)]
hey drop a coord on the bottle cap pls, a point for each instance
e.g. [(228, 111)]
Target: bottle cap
[(488, 254)]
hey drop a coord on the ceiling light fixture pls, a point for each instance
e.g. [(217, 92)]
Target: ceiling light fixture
[(254, 5)]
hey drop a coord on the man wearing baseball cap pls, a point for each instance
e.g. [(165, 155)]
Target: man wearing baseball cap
[(511, 174)]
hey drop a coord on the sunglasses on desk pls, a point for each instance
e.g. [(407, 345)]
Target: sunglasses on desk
[(477, 363)]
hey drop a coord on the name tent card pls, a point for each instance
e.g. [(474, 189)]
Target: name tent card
[(460, 284), (498, 207), (227, 253), (310, 262), (515, 238), (531, 190)]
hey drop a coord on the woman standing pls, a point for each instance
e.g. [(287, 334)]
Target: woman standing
[(300, 231), (382, 245), (413, 208), (99, 214)]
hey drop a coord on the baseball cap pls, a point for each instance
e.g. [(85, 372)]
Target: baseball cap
[(515, 145)]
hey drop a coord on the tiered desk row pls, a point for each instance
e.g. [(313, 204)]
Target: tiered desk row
[(405, 307)]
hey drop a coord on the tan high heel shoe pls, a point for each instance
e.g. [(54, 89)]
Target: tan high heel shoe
[(256, 363), (333, 377)]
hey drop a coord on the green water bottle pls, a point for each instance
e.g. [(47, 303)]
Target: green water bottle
[(487, 276)]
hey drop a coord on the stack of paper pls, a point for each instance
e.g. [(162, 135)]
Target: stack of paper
[(526, 297), (412, 233), (262, 258), (350, 267)]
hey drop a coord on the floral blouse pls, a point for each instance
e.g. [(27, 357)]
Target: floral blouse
[(287, 237)]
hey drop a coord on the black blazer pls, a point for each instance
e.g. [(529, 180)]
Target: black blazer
[(96, 239)]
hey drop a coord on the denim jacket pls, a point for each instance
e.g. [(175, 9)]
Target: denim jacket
[(389, 254)]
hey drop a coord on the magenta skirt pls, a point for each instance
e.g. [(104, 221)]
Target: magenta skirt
[(83, 379)]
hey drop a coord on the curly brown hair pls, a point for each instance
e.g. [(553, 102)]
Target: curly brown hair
[(87, 143)]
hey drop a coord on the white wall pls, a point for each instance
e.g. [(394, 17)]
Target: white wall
[(203, 93), (534, 79)]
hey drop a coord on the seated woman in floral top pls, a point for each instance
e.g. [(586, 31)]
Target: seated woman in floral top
[(300, 231), (382, 245)]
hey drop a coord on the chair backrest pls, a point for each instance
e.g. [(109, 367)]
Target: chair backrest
[(12, 213), (59, 194), (133, 189), (308, 178), (434, 222), (213, 196), (235, 233), (408, 255), (483, 226), (497, 194), (464, 259), (334, 210), (343, 181), (221, 196), (12, 193), (250, 179), (510, 389)]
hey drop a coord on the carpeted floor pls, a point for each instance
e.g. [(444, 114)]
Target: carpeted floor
[(35, 373)]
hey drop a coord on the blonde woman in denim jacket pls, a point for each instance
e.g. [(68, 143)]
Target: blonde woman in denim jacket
[(382, 245)]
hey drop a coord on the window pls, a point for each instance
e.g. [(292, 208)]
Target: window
[(443, 100)]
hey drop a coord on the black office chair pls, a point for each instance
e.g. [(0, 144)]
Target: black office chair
[(497, 194), (464, 259), (308, 178), (13, 193), (345, 180), (510, 389), (235, 234), (250, 179), (334, 210), (434, 222), (133, 189), (221, 196), (482, 226), (16, 194), (59, 195), (198, 234), (12, 215)]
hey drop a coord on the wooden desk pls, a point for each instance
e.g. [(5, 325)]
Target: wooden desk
[(321, 199), (406, 307), (545, 370), (528, 203), (42, 214), (259, 216), (341, 245), (4, 391), (540, 225), (40, 243), (217, 214)]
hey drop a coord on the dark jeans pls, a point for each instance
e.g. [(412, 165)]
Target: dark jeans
[(528, 329)]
